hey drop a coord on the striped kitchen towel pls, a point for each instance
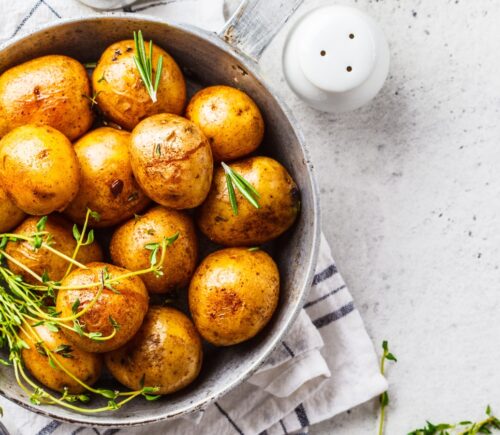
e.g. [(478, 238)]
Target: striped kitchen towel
[(325, 365)]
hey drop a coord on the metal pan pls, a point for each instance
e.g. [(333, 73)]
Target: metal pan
[(207, 58)]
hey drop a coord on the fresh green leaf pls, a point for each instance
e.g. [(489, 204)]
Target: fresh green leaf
[(76, 233), (40, 226), (108, 394), (75, 306)]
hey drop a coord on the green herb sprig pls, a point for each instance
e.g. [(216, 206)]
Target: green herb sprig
[(462, 428), (144, 64), (23, 306), (245, 188), (384, 397)]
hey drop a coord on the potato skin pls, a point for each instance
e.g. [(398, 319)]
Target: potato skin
[(233, 294), (230, 120), (10, 214), (39, 169), (172, 161), (41, 260), (279, 205), (166, 351), (128, 251), (120, 92), (127, 308), (83, 365), (49, 90), (108, 185)]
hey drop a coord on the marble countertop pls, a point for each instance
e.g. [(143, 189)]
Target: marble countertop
[(410, 189)]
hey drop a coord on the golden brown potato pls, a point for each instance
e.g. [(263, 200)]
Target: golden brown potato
[(10, 214), (39, 169), (41, 260), (108, 185), (129, 241), (230, 119), (279, 205), (172, 161), (233, 295), (83, 365), (126, 303), (165, 353), (51, 90), (120, 92)]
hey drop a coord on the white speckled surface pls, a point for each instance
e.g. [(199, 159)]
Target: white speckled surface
[(410, 190)]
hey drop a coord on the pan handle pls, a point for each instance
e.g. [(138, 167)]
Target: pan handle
[(255, 23)]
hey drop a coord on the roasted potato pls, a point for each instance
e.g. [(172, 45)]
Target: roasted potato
[(233, 295), (38, 169), (124, 302), (128, 247), (172, 161), (279, 205), (165, 353), (83, 365), (230, 120), (10, 214), (108, 185), (120, 91), (42, 261), (51, 90)]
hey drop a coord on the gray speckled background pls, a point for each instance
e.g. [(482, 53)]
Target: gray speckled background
[(410, 189)]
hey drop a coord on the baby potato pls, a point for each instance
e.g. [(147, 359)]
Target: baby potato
[(165, 353), (108, 185), (171, 160), (42, 261), (230, 120), (279, 205), (129, 241), (120, 91), (39, 169), (83, 365), (10, 214), (51, 90), (125, 302), (233, 295)]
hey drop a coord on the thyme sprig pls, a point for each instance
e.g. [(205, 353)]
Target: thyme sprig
[(144, 64), (384, 397), (462, 428), (246, 189), (23, 306)]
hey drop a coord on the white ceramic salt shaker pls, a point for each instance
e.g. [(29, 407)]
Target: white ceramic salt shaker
[(336, 58)]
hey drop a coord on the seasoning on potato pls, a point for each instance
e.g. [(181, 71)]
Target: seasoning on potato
[(278, 203), (121, 93), (233, 294), (166, 353), (41, 261), (230, 120), (85, 366), (130, 243), (39, 169), (10, 214), (171, 160), (117, 313), (51, 90), (108, 185)]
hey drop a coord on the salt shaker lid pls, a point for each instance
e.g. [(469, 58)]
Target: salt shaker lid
[(336, 58)]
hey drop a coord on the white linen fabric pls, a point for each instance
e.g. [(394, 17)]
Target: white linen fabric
[(325, 365)]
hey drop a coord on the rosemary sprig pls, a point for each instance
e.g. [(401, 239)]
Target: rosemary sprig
[(245, 188), (462, 428), (384, 397), (144, 64)]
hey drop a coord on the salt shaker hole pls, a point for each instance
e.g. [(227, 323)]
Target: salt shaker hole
[(351, 35), (322, 52), (349, 68)]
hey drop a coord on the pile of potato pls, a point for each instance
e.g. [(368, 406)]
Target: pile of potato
[(69, 144)]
